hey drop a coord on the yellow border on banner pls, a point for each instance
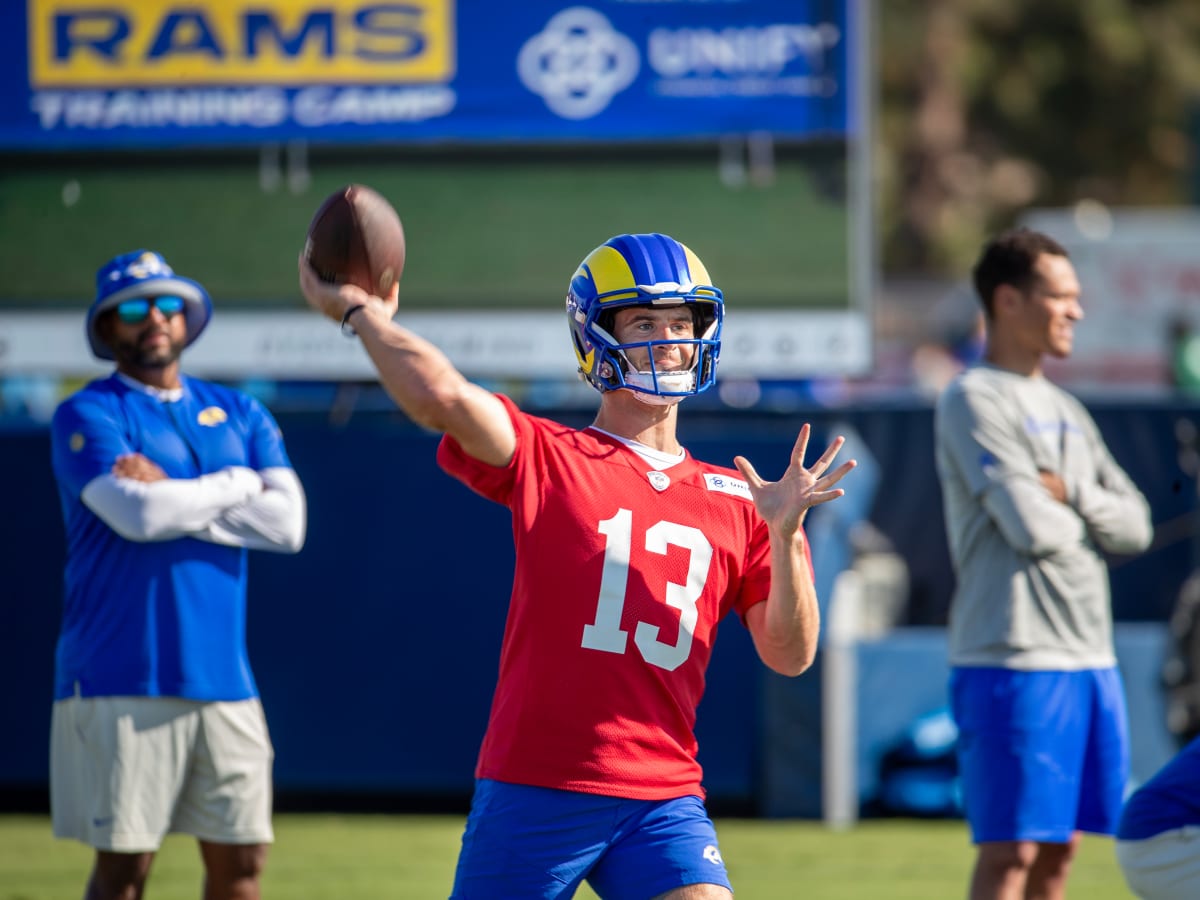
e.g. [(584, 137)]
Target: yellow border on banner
[(184, 43)]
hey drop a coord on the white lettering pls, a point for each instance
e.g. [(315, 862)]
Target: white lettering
[(257, 108), (681, 52), (84, 110), (314, 107), (798, 86), (48, 107), (254, 107)]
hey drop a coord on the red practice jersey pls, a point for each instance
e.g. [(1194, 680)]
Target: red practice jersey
[(622, 575)]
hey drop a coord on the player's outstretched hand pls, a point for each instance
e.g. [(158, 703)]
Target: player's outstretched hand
[(333, 300), (783, 503)]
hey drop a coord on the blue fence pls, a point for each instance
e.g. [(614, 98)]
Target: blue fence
[(375, 648)]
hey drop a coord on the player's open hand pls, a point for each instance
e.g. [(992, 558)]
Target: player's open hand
[(138, 467), (783, 503), (333, 300)]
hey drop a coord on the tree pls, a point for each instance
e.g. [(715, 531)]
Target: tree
[(989, 107)]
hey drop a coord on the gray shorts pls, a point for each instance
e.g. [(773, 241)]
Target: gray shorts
[(126, 771)]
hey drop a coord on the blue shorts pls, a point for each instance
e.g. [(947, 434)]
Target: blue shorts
[(1042, 754), (534, 842)]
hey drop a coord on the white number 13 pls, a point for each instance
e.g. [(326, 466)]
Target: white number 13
[(605, 633)]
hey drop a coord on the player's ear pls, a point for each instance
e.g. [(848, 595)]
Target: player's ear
[(1005, 300), (105, 325)]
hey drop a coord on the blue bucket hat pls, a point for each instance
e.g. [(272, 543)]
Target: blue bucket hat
[(144, 273)]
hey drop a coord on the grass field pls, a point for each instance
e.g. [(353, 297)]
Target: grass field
[(504, 231), (329, 857)]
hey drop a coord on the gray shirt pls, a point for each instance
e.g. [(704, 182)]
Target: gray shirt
[(1032, 587)]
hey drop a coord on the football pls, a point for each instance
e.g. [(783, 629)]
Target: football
[(356, 237)]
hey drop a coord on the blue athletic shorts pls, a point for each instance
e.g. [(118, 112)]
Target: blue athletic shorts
[(534, 842), (1041, 754)]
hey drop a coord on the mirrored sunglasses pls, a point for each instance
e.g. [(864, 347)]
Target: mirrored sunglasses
[(131, 312)]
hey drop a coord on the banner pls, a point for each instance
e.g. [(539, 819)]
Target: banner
[(505, 345), (155, 73)]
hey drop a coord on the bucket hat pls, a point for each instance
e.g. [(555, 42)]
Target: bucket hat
[(144, 273)]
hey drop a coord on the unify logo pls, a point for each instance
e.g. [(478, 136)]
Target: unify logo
[(578, 63)]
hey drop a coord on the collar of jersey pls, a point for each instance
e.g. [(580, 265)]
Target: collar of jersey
[(167, 395), (656, 459)]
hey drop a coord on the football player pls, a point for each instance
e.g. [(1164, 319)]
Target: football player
[(629, 553)]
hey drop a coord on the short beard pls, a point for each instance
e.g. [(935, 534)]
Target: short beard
[(129, 354)]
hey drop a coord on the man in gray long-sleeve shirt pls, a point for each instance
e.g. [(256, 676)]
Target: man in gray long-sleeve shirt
[(1032, 497)]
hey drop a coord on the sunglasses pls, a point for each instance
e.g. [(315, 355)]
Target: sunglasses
[(131, 312)]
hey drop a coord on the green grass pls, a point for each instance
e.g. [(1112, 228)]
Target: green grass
[(481, 233), (328, 857)]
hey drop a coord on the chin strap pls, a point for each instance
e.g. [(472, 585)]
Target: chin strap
[(680, 382), (656, 399)]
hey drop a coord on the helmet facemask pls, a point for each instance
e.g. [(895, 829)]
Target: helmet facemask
[(649, 383)]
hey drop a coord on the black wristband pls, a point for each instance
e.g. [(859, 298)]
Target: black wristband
[(347, 328)]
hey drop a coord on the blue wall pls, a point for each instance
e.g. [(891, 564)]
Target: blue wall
[(375, 648)]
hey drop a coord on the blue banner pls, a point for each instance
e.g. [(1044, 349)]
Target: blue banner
[(157, 73)]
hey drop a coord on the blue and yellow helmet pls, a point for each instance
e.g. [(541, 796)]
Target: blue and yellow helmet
[(651, 270)]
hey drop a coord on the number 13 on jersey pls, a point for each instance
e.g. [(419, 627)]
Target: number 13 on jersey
[(605, 632)]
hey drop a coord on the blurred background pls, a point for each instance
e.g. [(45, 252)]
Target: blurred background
[(835, 163)]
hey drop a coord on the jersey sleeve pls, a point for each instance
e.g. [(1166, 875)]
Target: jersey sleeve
[(170, 508), (493, 482), (267, 450), (1116, 513), (756, 584), (85, 442), (272, 519)]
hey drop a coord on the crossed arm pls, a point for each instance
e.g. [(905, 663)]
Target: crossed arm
[(237, 506)]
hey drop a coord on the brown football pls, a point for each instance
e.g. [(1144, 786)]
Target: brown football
[(356, 237)]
